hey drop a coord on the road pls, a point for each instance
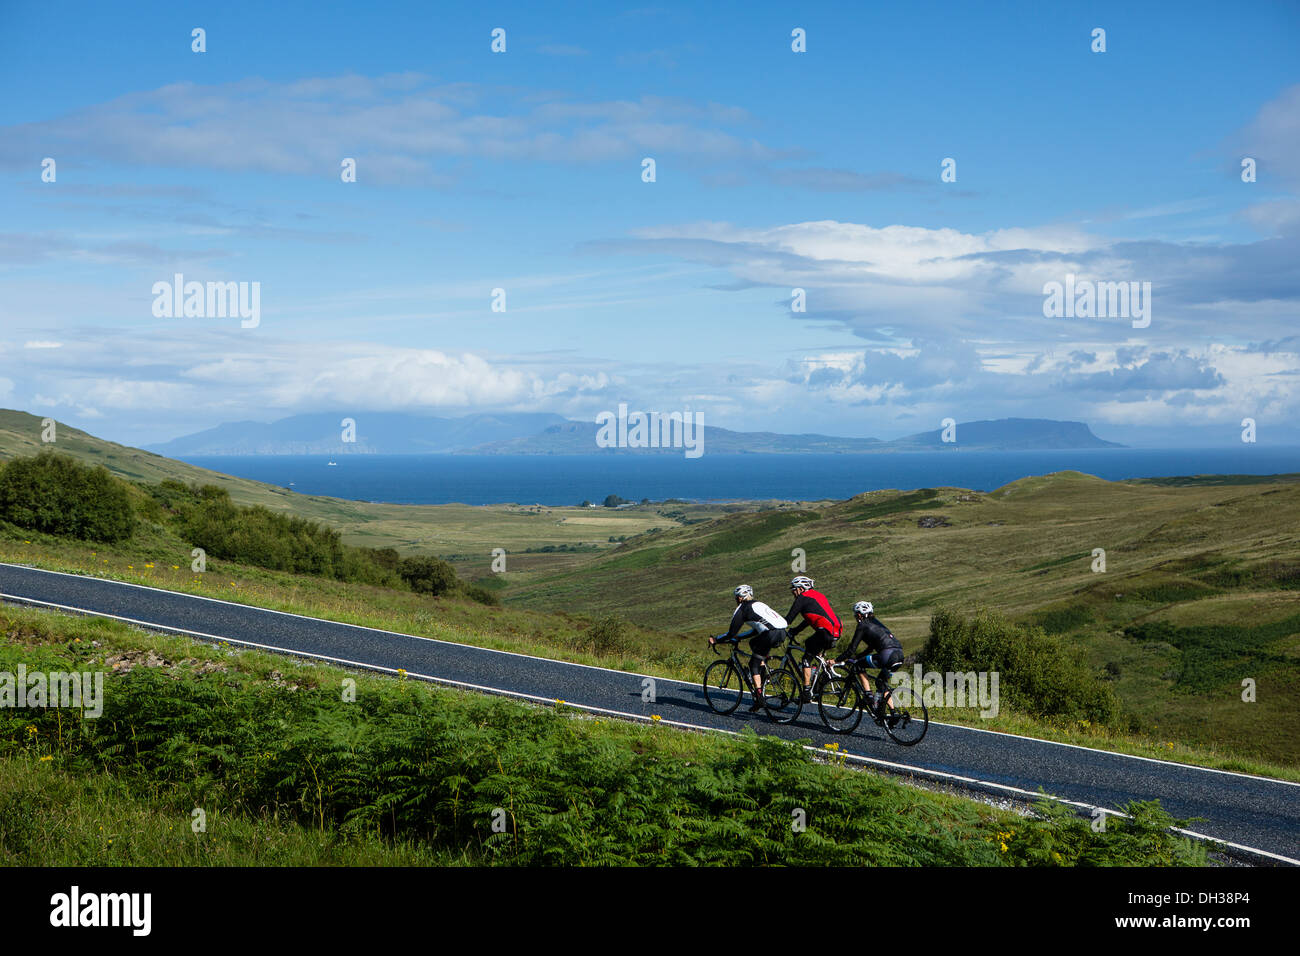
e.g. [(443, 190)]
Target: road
[(1252, 812)]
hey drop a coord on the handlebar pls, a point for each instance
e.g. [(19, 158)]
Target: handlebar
[(722, 640)]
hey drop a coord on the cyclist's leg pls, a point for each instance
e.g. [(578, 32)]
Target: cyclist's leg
[(760, 646), (864, 664), (888, 660), (819, 641)]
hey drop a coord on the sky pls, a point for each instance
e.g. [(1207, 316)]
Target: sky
[(774, 170)]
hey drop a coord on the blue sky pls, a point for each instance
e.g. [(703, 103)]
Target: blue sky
[(774, 170)]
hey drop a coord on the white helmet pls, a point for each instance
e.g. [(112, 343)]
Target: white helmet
[(863, 607), (743, 591), (802, 582)]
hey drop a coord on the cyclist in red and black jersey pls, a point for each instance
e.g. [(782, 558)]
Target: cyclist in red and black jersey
[(816, 610)]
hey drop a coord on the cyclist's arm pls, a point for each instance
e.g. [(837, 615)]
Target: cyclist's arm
[(851, 650), (794, 614), (738, 619)]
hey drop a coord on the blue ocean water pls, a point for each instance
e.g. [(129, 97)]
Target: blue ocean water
[(568, 479)]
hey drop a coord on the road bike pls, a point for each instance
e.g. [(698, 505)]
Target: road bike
[(905, 718), (784, 690), (726, 681)]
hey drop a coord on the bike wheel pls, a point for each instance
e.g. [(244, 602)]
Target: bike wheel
[(782, 697), (909, 719), (723, 687), (840, 704)]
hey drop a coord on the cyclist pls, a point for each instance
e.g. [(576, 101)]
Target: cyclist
[(767, 630), (816, 611), (879, 649)]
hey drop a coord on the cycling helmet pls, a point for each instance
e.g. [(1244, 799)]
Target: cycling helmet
[(802, 582), (743, 591), (863, 607)]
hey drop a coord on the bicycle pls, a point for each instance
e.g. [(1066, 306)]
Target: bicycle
[(905, 718), (784, 691), (726, 681)]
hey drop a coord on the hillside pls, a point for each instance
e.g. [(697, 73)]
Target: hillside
[(20, 434), (1205, 577)]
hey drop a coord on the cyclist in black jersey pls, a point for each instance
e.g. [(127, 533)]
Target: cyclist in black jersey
[(879, 648), (767, 630)]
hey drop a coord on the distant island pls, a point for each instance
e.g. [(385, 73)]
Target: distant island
[(537, 433)]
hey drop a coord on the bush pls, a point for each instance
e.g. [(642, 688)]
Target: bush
[(1039, 674), (1061, 619), (57, 495), (608, 635), (476, 592), (259, 536), (427, 575), (207, 517)]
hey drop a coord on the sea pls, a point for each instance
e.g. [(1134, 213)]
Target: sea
[(571, 479)]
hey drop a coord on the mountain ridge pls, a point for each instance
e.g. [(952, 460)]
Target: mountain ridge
[(541, 433)]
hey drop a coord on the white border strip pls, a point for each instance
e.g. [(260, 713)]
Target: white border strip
[(610, 670), (553, 701)]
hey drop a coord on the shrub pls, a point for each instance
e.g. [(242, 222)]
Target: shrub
[(476, 592), (1061, 619), (607, 635), (1039, 674), (427, 575), (57, 495)]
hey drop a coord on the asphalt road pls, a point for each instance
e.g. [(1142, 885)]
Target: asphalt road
[(1258, 813)]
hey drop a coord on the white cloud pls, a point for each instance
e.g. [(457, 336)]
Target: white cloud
[(402, 128)]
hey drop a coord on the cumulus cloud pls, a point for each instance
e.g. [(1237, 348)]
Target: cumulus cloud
[(246, 376), (910, 283)]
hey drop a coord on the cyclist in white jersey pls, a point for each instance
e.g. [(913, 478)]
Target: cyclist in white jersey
[(767, 630)]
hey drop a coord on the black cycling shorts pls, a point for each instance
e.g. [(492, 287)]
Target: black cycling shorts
[(886, 659), (819, 642), (762, 643)]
